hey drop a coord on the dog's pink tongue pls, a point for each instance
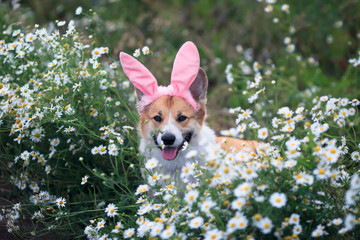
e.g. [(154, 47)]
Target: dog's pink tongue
[(169, 153)]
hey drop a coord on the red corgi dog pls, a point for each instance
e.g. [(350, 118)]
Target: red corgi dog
[(172, 118)]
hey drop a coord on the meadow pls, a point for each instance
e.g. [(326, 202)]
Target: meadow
[(281, 72)]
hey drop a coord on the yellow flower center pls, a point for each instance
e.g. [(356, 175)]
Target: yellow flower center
[(257, 217)]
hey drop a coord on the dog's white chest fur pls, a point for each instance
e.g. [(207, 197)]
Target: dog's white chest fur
[(201, 141)]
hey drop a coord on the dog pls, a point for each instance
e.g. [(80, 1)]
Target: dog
[(172, 118)]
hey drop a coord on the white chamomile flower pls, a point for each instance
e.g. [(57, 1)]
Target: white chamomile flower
[(78, 11), (297, 229), (191, 154), (151, 163), (268, 8), (196, 222), (265, 225), (263, 133), (60, 202), (243, 189), (285, 8), (290, 48), (238, 203), (207, 205), (100, 224), (95, 150), (136, 53), (214, 234), (55, 142), (117, 227), (187, 170), (113, 150), (102, 150), (96, 53), (141, 189), (129, 232), (337, 221), (47, 169), (30, 37), (145, 50), (294, 219), (111, 210), (191, 196), (278, 200), (168, 232), (61, 23), (84, 179)]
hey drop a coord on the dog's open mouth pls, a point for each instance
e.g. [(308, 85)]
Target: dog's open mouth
[(169, 153)]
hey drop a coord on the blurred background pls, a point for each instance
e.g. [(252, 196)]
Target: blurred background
[(324, 33), (216, 27)]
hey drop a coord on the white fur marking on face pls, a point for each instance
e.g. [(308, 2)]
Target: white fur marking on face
[(170, 127)]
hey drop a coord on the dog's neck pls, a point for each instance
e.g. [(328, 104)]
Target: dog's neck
[(199, 142)]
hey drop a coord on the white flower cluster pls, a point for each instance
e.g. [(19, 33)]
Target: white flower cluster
[(47, 82), (244, 191), (276, 190)]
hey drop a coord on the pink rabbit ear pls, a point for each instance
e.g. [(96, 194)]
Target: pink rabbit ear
[(138, 74), (186, 67)]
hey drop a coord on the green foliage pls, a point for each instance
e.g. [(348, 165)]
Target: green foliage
[(59, 102), (68, 144)]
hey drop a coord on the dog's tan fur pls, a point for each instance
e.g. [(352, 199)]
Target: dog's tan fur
[(165, 107), (229, 143), (177, 106)]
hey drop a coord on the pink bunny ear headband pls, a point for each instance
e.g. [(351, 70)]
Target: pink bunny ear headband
[(185, 69)]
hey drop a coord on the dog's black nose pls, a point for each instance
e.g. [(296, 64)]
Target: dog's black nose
[(168, 138)]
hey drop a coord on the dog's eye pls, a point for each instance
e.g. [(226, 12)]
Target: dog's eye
[(182, 118), (157, 118)]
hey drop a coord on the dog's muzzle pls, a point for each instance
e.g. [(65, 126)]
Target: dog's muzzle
[(170, 152)]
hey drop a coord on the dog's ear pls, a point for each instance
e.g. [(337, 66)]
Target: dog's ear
[(143, 80), (199, 87), (139, 95)]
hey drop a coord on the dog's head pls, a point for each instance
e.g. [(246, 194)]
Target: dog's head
[(170, 116)]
